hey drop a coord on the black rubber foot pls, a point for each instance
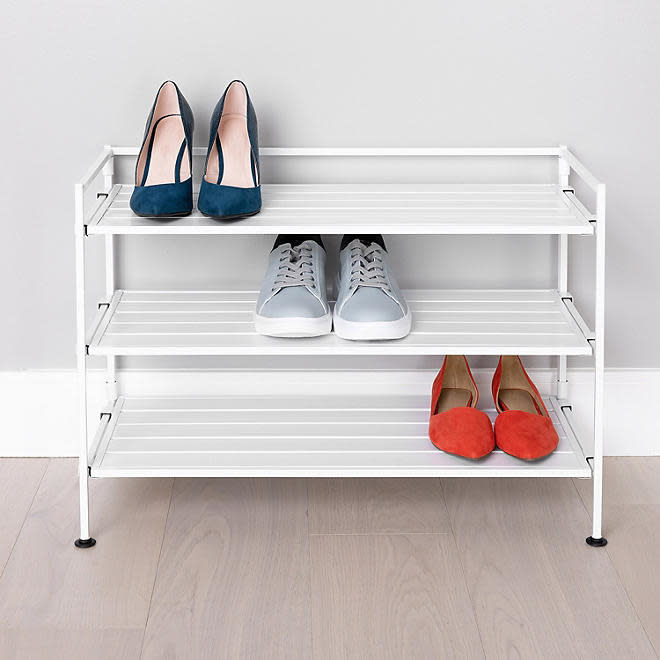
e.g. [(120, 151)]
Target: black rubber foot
[(596, 543), (85, 543)]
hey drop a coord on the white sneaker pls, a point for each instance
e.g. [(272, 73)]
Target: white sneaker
[(293, 300), (369, 303)]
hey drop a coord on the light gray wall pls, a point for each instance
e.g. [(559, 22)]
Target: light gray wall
[(77, 75)]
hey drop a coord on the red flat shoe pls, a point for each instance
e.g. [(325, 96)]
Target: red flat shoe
[(523, 427), (456, 426)]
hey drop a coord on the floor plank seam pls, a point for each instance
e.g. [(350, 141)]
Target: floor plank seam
[(630, 600), (25, 517), (160, 553), (460, 563), (584, 504), (309, 560)]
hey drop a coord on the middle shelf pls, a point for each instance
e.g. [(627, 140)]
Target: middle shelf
[(445, 321)]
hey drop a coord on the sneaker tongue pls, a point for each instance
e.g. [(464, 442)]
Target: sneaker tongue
[(364, 239), (294, 240)]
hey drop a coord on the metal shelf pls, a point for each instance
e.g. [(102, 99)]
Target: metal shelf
[(375, 208), (294, 436), (473, 322)]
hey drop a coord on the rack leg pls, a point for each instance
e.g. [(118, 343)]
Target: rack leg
[(85, 540), (596, 539)]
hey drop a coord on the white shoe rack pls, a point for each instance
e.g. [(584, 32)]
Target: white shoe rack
[(330, 434)]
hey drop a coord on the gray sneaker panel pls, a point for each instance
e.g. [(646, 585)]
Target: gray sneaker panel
[(368, 304), (293, 302)]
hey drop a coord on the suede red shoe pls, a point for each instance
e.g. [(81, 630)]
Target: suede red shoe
[(456, 426), (523, 427)]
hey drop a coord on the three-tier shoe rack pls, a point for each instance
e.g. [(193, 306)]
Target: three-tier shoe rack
[(330, 435)]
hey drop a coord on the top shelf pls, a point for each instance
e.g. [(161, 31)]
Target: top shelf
[(372, 208)]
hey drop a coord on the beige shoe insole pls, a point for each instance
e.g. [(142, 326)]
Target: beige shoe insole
[(515, 392), (518, 400), (234, 142), (166, 129), (165, 150), (451, 397)]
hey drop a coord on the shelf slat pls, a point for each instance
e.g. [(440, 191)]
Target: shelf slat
[(370, 208), (319, 436), (475, 322)]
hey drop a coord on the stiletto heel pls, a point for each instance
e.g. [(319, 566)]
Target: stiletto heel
[(230, 185), (163, 172)]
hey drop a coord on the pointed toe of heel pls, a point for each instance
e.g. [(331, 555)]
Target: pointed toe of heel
[(163, 200), (463, 431), (228, 202)]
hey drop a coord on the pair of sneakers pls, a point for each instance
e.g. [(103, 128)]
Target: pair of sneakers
[(293, 298)]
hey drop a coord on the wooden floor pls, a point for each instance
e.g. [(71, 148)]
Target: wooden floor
[(296, 569)]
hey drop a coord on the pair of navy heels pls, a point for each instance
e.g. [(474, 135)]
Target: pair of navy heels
[(163, 174)]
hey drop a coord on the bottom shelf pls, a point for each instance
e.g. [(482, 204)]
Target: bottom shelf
[(311, 436)]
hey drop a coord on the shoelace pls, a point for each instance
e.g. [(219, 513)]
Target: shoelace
[(295, 268), (367, 267)]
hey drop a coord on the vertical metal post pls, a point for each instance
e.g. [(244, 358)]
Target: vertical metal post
[(110, 280), (85, 541), (108, 170), (596, 538), (563, 174)]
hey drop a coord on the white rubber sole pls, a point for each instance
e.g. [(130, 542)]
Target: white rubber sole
[(294, 326), (372, 331)]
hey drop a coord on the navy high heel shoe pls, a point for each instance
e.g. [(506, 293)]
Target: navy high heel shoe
[(163, 172), (230, 185)]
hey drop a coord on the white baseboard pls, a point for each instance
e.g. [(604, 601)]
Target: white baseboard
[(39, 414)]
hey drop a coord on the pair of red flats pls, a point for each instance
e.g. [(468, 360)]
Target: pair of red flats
[(522, 427)]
